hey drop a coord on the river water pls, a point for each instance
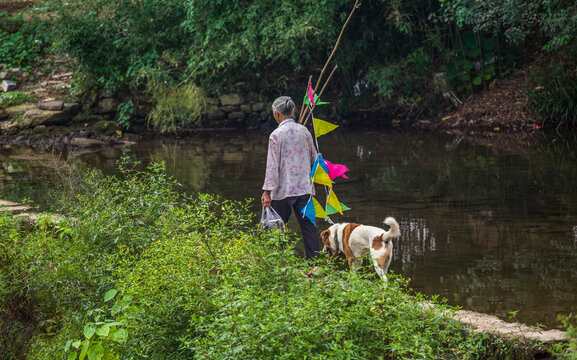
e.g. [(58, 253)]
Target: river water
[(488, 230)]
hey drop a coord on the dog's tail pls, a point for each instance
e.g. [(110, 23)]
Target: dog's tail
[(394, 231)]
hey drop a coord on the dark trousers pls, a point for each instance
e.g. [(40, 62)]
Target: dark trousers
[(309, 231)]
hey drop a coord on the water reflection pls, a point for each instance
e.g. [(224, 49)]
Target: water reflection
[(489, 231)]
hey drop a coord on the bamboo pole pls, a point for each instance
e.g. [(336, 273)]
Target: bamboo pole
[(356, 6)]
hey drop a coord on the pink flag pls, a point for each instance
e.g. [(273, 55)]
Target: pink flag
[(336, 170), (311, 94)]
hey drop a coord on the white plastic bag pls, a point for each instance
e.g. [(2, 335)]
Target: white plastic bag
[(270, 219)]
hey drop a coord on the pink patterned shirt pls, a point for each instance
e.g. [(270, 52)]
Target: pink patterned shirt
[(291, 154)]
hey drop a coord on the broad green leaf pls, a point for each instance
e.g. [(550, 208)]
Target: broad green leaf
[(119, 335), (488, 44), (89, 330), (489, 69), (110, 294), (95, 352), (474, 52), (103, 330), (71, 356), (76, 344), (85, 345), (477, 80), (67, 346)]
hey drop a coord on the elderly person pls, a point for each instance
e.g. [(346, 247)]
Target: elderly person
[(287, 183)]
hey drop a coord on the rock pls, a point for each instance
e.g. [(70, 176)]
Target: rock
[(264, 114), (216, 114), (230, 99), (35, 117), (90, 99), (229, 108), (8, 85), (60, 76), (106, 105), (236, 115), (86, 143), (258, 107), (19, 109), (5, 75), (17, 72), (211, 101), (51, 105), (14, 208), (234, 157), (245, 108), (105, 125), (41, 129), (55, 219), (108, 94), (252, 121), (72, 108)]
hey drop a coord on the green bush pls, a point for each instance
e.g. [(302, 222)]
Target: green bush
[(568, 350), (23, 41), (112, 40), (555, 100), (197, 279)]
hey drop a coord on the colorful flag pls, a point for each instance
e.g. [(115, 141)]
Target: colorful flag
[(333, 201), (311, 94), (330, 210), (317, 102), (322, 127), (336, 170), (320, 172), (314, 210)]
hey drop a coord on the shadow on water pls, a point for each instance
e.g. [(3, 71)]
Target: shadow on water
[(490, 231)]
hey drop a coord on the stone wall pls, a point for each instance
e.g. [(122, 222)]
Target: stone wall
[(236, 110)]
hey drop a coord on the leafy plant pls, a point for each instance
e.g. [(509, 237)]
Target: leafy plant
[(555, 100), (568, 350), (125, 111), (473, 62), (23, 40), (14, 98), (102, 334), (176, 106)]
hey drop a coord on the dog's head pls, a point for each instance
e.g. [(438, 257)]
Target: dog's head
[(326, 237)]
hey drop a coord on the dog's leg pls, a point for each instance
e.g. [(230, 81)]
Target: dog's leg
[(354, 263), (380, 271)]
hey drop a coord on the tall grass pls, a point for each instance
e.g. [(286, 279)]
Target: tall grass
[(555, 100)]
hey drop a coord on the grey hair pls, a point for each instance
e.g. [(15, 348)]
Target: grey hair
[(284, 105)]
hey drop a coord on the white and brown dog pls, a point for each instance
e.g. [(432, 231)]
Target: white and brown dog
[(355, 239)]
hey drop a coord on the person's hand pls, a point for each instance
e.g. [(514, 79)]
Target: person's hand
[(265, 199)]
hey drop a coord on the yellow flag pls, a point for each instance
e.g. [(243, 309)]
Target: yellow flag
[(334, 202), (322, 127), (320, 212), (321, 177)]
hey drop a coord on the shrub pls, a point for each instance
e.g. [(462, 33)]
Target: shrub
[(112, 40), (23, 41), (198, 280), (555, 100)]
